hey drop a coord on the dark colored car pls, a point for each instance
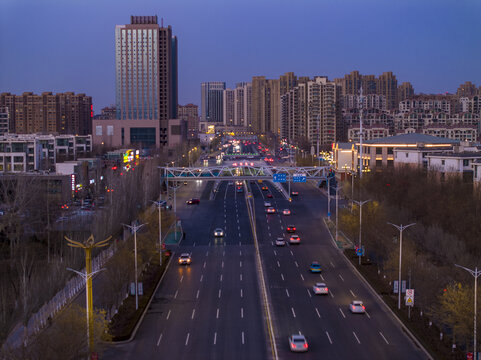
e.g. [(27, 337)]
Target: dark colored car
[(192, 201), (269, 195), (291, 228), (294, 193), (265, 188)]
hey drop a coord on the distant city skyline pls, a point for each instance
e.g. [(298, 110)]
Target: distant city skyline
[(432, 45)]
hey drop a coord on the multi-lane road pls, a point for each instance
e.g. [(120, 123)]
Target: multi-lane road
[(214, 308)]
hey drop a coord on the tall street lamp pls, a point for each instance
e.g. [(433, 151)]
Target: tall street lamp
[(159, 207), (337, 210), (401, 228), (476, 274), (360, 203), (135, 228)]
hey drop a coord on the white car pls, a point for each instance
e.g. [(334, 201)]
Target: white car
[(286, 212), (280, 242), (184, 259), (357, 307), (267, 204), (270, 210), (294, 239), (298, 343), (320, 289), (218, 232)]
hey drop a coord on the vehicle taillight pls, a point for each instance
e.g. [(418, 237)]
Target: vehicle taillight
[(305, 345), (363, 307), (293, 345), (326, 288)]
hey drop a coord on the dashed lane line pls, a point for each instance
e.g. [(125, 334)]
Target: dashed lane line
[(344, 316)]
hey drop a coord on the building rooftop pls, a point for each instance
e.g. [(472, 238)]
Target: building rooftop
[(466, 154), (413, 138)]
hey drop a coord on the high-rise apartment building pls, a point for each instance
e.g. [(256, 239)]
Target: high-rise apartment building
[(228, 107), (467, 89), (146, 70), (266, 98), (387, 86), (405, 91), (48, 113), (212, 101), (189, 113), (237, 105)]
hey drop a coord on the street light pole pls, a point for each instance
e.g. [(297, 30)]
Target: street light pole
[(337, 210), (135, 228), (159, 206), (328, 198), (476, 274), (401, 228), (360, 203)]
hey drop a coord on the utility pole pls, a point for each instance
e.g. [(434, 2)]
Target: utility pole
[(159, 207), (328, 198), (360, 203), (337, 211), (476, 274), (401, 228)]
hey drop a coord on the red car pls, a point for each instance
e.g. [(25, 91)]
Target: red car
[(291, 228), (269, 195), (192, 201)]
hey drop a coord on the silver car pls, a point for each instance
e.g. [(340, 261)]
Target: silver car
[(298, 343), (185, 259), (218, 232), (320, 289), (357, 307), (280, 242)]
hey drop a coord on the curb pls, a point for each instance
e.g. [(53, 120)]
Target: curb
[(406, 331), (139, 322)]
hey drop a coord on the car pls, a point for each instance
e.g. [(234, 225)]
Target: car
[(267, 204), (240, 189), (286, 212), (185, 182), (192, 201), (294, 193), (239, 183), (280, 241), (185, 259), (218, 232), (320, 289), (294, 239), (315, 267), (298, 343), (265, 188), (270, 210), (290, 228), (269, 195), (357, 307)]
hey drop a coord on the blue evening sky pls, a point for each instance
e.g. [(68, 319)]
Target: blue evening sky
[(68, 45)]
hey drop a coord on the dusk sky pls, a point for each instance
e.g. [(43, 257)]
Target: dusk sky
[(68, 45)]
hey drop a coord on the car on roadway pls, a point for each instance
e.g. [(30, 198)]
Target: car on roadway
[(357, 307), (270, 210), (320, 289), (193, 201), (240, 189), (286, 212), (265, 188), (280, 241), (269, 195), (298, 343), (267, 204), (218, 232), (185, 183), (290, 229), (294, 193), (185, 259), (315, 267), (239, 183), (294, 239)]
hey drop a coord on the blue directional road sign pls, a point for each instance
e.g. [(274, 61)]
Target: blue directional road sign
[(299, 178), (279, 178)]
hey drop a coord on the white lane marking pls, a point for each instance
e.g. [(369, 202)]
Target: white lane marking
[(242, 338), (237, 220), (275, 253), (268, 227), (187, 339), (221, 277), (238, 228), (272, 243), (222, 265), (352, 293), (319, 315), (193, 314), (217, 315), (197, 296), (278, 263), (302, 277), (356, 337), (287, 292), (239, 234), (242, 293), (282, 276), (369, 316), (322, 277), (223, 253), (380, 333), (330, 293), (239, 243), (201, 277), (240, 277), (242, 313), (328, 337), (215, 338), (168, 315), (193, 245), (204, 264), (220, 291), (341, 277), (330, 262), (282, 228), (291, 252), (175, 295), (309, 292), (293, 313), (209, 243), (181, 278), (240, 252), (240, 263), (344, 316), (297, 265), (160, 338), (270, 235)]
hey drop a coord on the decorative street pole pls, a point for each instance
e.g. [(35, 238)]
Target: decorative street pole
[(88, 245), (360, 203), (476, 274), (401, 228)]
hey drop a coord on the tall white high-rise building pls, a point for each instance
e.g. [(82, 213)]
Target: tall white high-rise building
[(237, 104), (212, 100)]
